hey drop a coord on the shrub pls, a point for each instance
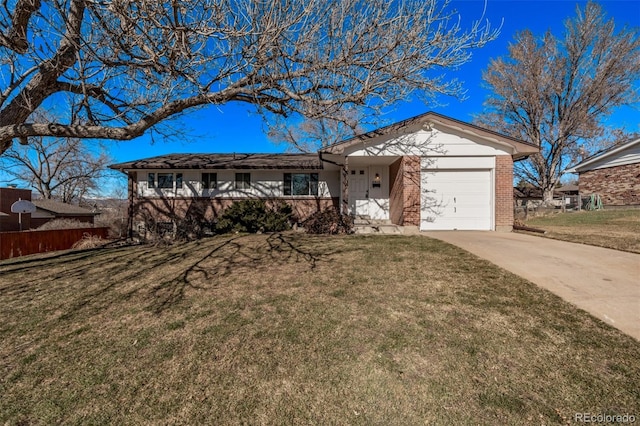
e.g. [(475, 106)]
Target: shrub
[(63, 224), (253, 216), (89, 242), (329, 221)]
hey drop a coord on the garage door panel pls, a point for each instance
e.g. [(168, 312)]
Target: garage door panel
[(456, 200)]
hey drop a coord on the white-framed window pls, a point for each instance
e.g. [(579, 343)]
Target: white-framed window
[(301, 184), (209, 181), (165, 180), (243, 181)]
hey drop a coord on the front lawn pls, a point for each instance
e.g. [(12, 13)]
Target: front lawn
[(293, 329), (616, 229)]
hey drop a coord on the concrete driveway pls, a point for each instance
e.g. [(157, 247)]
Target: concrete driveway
[(603, 282)]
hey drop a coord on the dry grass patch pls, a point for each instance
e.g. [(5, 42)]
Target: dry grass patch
[(616, 229), (284, 329)]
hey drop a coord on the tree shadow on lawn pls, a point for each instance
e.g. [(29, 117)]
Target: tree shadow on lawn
[(233, 256), (94, 281)]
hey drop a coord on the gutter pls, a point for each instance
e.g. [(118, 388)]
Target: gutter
[(329, 161)]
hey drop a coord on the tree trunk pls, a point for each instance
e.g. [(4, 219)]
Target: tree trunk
[(547, 197)]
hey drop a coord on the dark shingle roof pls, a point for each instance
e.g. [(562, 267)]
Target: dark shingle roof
[(62, 209), (224, 161)]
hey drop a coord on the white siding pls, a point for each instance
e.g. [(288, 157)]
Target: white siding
[(446, 142), (458, 163), (627, 156), (264, 184)]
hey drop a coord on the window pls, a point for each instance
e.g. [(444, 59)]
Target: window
[(243, 181), (301, 184), (209, 181), (165, 180)]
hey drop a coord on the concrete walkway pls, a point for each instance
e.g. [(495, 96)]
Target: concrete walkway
[(603, 282)]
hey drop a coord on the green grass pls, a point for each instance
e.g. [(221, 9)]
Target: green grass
[(293, 329), (617, 229)]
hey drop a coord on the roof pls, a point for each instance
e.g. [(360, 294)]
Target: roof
[(522, 148), (62, 209), (531, 192), (603, 155), (224, 161), (567, 188), (527, 192)]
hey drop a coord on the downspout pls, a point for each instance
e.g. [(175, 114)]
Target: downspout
[(329, 161)]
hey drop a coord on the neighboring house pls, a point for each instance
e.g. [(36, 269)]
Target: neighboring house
[(11, 221), (430, 171), (48, 210), (566, 190), (527, 195), (532, 196), (613, 174)]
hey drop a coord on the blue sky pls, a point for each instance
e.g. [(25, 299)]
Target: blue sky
[(237, 128)]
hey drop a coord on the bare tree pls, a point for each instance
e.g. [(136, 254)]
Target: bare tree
[(65, 169), (556, 92), (311, 134), (122, 66)]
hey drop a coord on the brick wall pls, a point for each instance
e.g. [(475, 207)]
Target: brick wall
[(168, 209), (404, 191), (411, 173), (504, 193), (617, 186), (396, 192)]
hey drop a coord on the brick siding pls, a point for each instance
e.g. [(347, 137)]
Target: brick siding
[(395, 192), (504, 193), (617, 186), (168, 209), (404, 191)]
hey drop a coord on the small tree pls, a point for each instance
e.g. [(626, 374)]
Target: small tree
[(555, 92)]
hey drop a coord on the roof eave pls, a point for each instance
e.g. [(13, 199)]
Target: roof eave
[(518, 148), (583, 166)]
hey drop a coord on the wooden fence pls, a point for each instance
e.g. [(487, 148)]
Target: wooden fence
[(14, 244)]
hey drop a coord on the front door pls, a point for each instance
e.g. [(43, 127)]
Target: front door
[(359, 191)]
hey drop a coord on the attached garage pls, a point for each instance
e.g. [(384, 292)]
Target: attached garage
[(456, 199), (430, 171)]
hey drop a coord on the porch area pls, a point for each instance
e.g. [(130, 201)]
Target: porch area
[(381, 192)]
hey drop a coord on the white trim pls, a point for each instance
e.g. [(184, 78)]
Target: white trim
[(580, 167)]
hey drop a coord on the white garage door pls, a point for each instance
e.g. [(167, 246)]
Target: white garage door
[(456, 199)]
